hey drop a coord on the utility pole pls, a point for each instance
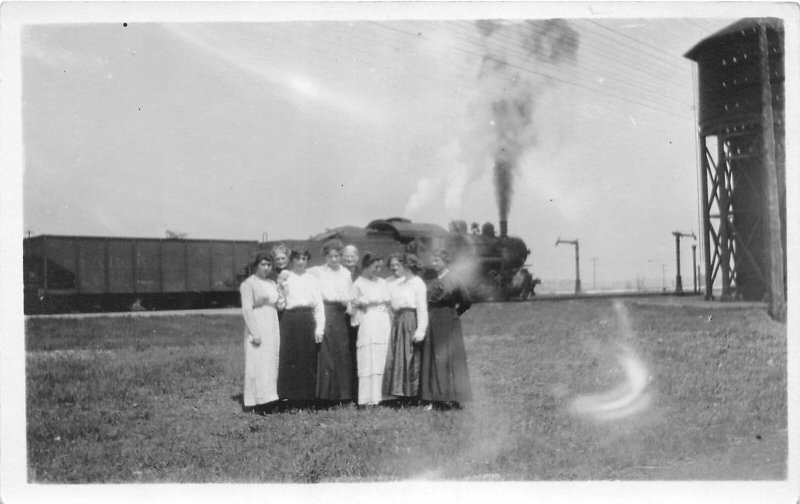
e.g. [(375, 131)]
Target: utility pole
[(594, 273), (577, 262), (694, 268), (678, 234), (777, 282)]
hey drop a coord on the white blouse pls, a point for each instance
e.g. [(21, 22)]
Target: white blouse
[(335, 285), (411, 293), (366, 296), (301, 291)]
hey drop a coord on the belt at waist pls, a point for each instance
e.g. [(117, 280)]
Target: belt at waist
[(405, 309), (337, 304), (440, 305), (300, 309), (376, 308)]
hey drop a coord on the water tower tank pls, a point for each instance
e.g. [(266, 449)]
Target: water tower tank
[(733, 120)]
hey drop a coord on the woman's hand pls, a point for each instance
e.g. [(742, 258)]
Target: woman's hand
[(255, 340), (318, 337), (419, 337)]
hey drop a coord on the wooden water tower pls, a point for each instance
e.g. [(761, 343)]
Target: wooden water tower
[(743, 161)]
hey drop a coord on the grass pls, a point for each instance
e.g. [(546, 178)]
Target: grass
[(157, 399)]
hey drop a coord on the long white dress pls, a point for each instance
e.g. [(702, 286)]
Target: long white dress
[(373, 337), (259, 300)]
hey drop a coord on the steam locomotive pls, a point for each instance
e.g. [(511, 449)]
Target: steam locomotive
[(84, 274), (492, 266)]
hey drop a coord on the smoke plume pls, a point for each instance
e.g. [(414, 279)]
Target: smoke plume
[(516, 58), (513, 87)]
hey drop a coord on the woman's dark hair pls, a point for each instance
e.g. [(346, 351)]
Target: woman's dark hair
[(369, 259), (394, 255), (334, 244), (264, 255), (297, 253), (444, 255), (411, 262)]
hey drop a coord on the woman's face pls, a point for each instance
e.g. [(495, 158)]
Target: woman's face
[(333, 259), (396, 266), (438, 264), (264, 268), (299, 264), (281, 260), (373, 269)]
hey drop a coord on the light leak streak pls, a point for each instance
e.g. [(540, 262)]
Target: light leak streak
[(301, 88), (628, 398)]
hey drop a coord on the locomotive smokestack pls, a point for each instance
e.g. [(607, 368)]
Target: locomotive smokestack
[(503, 228)]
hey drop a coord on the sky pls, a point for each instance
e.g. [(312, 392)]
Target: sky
[(229, 130)]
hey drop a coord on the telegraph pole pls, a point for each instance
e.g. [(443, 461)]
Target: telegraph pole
[(678, 234), (577, 262), (777, 297), (694, 268)]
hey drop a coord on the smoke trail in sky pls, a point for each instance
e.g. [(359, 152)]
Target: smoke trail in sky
[(516, 58), (512, 88)]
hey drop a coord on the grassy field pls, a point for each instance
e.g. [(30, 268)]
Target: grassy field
[(157, 399)]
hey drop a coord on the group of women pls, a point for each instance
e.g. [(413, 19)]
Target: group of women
[(337, 333)]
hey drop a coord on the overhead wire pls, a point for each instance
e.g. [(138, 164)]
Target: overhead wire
[(655, 88), (365, 55), (370, 43), (607, 49), (609, 55), (567, 75), (637, 41), (550, 77)]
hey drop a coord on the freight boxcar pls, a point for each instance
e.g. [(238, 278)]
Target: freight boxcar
[(78, 273)]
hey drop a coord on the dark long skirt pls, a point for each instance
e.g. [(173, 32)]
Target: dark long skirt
[(403, 358), (444, 361), (297, 365), (335, 361), (353, 333)]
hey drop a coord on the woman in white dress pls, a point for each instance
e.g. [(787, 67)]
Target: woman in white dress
[(260, 300), (370, 299)]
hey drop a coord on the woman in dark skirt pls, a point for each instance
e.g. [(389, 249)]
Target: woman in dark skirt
[(301, 327), (444, 381), (336, 359), (350, 262), (410, 307)]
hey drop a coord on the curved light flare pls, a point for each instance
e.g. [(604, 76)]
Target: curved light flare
[(628, 398)]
